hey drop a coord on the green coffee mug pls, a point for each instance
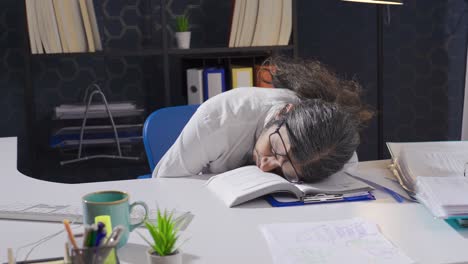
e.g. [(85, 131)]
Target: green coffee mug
[(116, 205)]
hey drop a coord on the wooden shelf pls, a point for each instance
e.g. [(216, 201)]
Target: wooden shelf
[(137, 52), (109, 52), (226, 50), (174, 51)]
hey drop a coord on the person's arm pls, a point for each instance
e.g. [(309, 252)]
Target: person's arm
[(193, 149)]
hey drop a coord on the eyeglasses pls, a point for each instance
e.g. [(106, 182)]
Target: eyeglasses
[(288, 169)]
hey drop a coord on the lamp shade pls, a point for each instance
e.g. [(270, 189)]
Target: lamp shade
[(382, 2)]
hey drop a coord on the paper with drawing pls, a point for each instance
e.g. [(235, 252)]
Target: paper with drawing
[(343, 241)]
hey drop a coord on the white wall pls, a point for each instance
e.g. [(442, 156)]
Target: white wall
[(464, 134)]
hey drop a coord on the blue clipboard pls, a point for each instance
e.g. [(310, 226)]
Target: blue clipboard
[(275, 203)]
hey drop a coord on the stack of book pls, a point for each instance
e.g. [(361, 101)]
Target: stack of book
[(260, 23), (434, 173), (63, 26)]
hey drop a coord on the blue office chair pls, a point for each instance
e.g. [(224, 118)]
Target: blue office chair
[(161, 129)]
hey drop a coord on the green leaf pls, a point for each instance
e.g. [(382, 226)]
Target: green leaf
[(182, 23), (163, 232)]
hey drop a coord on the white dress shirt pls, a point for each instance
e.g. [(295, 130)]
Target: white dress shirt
[(221, 134)]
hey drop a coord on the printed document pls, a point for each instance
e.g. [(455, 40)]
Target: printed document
[(342, 241)]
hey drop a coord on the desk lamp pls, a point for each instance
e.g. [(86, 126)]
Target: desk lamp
[(383, 2)]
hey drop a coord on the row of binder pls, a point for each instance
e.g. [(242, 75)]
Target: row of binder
[(204, 83)]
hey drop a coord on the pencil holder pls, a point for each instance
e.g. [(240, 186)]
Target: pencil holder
[(94, 255)]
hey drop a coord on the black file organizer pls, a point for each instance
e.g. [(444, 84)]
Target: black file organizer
[(91, 92)]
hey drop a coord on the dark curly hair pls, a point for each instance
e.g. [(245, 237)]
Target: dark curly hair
[(312, 80), (323, 127)]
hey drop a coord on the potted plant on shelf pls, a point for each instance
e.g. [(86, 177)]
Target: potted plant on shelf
[(164, 232), (182, 32)]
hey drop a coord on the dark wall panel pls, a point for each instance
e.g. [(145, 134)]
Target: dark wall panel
[(11, 68), (342, 35), (424, 62), (425, 57)]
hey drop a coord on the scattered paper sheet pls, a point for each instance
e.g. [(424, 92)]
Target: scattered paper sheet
[(342, 241)]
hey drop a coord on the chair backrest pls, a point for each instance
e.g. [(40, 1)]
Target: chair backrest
[(162, 128)]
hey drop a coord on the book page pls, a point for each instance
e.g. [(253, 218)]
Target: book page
[(337, 183), (246, 183), (395, 148), (342, 241), (434, 162)]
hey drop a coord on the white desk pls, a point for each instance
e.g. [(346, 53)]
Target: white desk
[(220, 234)]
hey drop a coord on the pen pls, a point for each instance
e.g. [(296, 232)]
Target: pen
[(92, 236), (66, 256), (395, 195), (114, 237), (86, 236), (100, 234), (11, 258), (66, 223)]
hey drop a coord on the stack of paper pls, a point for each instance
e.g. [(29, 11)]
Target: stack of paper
[(77, 111), (434, 173), (444, 196), (342, 241), (428, 159)]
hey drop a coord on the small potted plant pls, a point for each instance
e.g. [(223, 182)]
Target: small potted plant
[(164, 231), (182, 32)]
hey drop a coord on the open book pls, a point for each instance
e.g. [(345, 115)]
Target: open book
[(246, 183)]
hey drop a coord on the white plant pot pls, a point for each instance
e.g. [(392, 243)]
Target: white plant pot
[(175, 258), (183, 39)]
